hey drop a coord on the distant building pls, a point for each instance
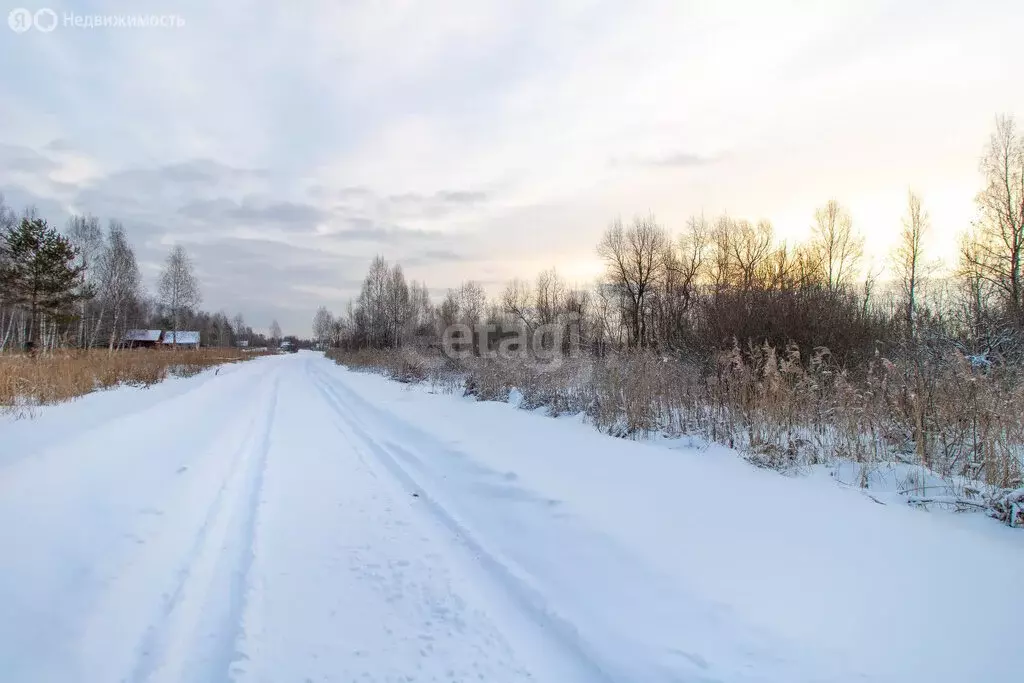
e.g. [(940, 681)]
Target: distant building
[(188, 340), (243, 343), (141, 339)]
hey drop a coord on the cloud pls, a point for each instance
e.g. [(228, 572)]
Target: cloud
[(342, 194), (18, 159), (210, 173), (435, 205), (674, 160), (442, 197), (58, 145), (462, 197), (436, 256), (289, 215), (18, 198), (367, 230), (684, 159), (186, 173), (481, 138)]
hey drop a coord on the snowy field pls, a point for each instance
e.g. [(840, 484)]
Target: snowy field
[(287, 520)]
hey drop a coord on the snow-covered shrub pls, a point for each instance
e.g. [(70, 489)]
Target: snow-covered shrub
[(782, 408), (1008, 507)]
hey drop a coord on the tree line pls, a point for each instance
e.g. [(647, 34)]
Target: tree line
[(724, 281), (82, 287)]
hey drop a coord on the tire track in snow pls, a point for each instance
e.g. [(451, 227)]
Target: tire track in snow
[(352, 581), (532, 605), (195, 635), (488, 511), (229, 651)]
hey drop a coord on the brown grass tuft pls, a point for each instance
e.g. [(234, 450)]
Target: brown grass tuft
[(63, 375), (781, 408)]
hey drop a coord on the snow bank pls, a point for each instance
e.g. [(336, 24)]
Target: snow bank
[(693, 561)]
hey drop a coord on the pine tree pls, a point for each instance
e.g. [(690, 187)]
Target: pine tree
[(38, 271)]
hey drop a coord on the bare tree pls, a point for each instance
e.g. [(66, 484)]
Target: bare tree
[(118, 277), (720, 264), (372, 303), (238, 324), (221, 329), (908, 259), (178, 288), (689, 265), (275, 331), (837, 248), (7, 215), (994, 248), (87, 237), (550, 296), (420, 308), (684, 264), (337, 331), (472, 302), (871, 275), (909, 269), (9, 313), (396, 306), (751, 249), (322, 321), (517, 302), (449, 312), (634, 259)]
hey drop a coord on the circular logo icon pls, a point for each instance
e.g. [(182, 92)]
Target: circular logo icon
[(20, 20), (45, 20)]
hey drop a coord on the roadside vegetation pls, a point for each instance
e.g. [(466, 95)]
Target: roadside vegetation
[(67, 299), (27, 381), (794, 354)]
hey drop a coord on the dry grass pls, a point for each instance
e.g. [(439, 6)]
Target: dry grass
[(63, 375), (404, 366), (781, 409)]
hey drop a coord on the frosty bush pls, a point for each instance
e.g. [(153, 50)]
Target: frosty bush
[(781, 408)]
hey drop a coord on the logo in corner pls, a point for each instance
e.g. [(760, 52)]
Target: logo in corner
[(20, 19), (45, 20)]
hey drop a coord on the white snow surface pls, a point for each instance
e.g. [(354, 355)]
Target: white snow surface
[(285, 519)]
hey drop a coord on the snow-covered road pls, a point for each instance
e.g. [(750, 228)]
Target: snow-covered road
[(287, 520)]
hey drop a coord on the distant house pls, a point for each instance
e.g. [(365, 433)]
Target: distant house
[(141, 339), (188, 340)]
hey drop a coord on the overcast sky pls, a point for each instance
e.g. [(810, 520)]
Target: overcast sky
[(286, 143)]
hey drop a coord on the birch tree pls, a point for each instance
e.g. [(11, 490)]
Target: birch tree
[(178, 287), (87, 237), (8, 312), (837, 248), (396, 308), (239, 326), (994, 249), (118, 277), (322, 320), (908, 259)]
